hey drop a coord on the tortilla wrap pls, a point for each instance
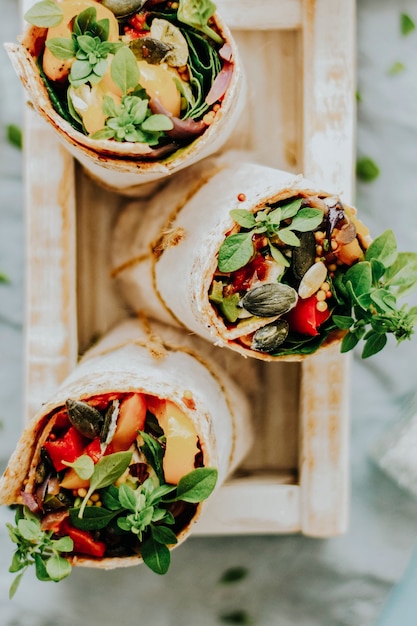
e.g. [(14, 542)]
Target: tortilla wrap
[(124, 166), (165, 251), (138, 357)]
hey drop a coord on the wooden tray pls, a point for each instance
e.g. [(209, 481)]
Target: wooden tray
[(299, 61)]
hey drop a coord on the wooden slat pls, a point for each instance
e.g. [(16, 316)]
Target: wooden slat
[(251, 506), (328, 148), (261, 14), (51, 321)]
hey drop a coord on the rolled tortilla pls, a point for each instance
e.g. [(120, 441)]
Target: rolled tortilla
[(166, 258), (140, 372), (124, 165)]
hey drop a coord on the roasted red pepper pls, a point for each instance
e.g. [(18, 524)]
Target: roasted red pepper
[(137, 26), (93, 450), (305, 319), (84, 542), (242, 278), (68, 448)]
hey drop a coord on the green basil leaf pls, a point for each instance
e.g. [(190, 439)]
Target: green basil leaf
[(343, 321), (274, 217), (87, 43), (61, 47), (85, 21), (157, 122), (378, 270), (64, 544), (291, 209), (154, 453), (196, 13), (15, 584), (373, 344), (105, 133), (197, 485), (99, 69), (349, 341), (244, 218), (403, 273), (278, 256), (360, 278), (107, 470), (383, 249), (17, 563), (44, 14), (160, 492), (94, 517), (384, 300), (29, 530), (84, 466), (40, 568), (124, 70), (307, 219), (80, 71), (127, 498), (58, 568), (162, 534), (110, 498), (102, 29), (287, 236), (155, 555), (235, 252)]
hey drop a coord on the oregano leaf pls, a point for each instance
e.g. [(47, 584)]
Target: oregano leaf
[(243, 217), (124, 70), (235, 252), (155, 555), (44, 14), (58, 568), (197, 485)]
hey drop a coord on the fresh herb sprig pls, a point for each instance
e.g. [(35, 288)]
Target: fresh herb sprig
[(144, 511), (36, 547), (88, 46), (132, 120), (197, 13), (369, 291), (238, 249)]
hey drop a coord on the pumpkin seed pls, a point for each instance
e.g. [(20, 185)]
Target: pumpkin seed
[(269, 300), (270, 337), (312, 280), (85, 418), (123, 8), (151, 50), (303, 255)]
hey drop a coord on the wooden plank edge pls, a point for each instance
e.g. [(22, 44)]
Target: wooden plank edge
[(251, 506), (50, 335), (261, 15)]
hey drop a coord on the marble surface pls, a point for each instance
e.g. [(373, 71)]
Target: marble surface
[(346, 581)]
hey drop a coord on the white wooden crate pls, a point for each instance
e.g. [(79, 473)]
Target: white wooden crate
[(299, 61)]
